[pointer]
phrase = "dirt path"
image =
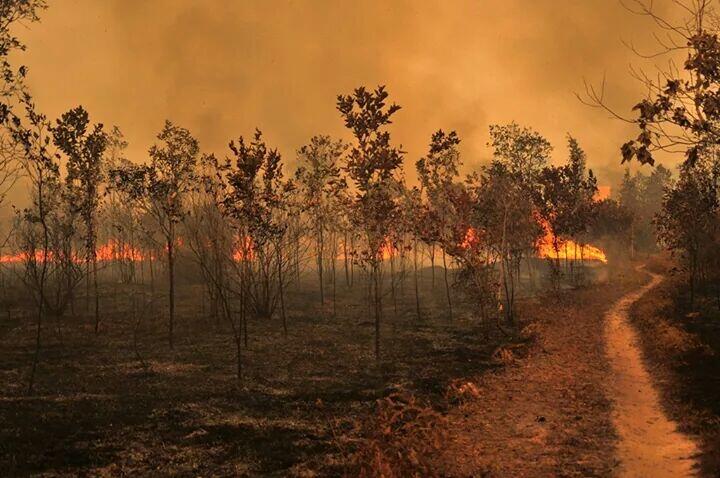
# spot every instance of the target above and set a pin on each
(546, 414)
(649, 443)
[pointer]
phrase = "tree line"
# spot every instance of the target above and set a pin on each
(251, 225)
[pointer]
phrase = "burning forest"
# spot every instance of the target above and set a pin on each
(387, 240)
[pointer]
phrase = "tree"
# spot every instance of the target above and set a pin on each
(688, 221)
(13, 92)
(47, 228)
(84, 147)
(564, 201)
(469, 246)
(582, 186)
(504, 213)
(681, 111)
(211, 239)
(523, 151)
(119, 214)
(630, 197)
(610, 220)
(438, 172)
(372, 165)
(160, 190)
(322, 189)
(255, 198)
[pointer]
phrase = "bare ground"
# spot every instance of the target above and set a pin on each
(97, 411)
(549, 413)
(650, 443)
(681, 346)
(541, 406)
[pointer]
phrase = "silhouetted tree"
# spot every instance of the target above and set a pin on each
(372, 165)
(438, 172)
(322, 189)
(160, 189)
(84, 146)
(688, 223)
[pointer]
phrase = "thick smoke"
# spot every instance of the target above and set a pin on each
(222, 68)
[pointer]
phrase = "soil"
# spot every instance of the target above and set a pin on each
(681, 347)
(649, 442)
(570, 396)
(103, 407)
(548, 414)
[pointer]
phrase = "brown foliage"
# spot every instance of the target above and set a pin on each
(399, 440)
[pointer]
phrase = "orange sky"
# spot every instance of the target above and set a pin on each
(221, 67)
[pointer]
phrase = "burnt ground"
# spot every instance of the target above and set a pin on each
(100, 409)
(102, 406)
(548, 413)
(681, 345)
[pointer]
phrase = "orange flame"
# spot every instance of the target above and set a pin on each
(13, 258)
(567, 248)
(603, 192)
(387, 250)
(112, 250)
(471, 239)
(244, 249)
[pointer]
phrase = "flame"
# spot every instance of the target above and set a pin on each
(244, 249)
(39, 257)
(113, 250)
(109, 251)
(471, 239)
(567, 248)
(12, 258)
(603, 192)
(387, 250)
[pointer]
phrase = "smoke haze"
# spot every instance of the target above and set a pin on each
(222, 68)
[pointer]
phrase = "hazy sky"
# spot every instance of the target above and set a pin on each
(223, 67)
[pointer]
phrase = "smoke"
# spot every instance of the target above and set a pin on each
(222, 68)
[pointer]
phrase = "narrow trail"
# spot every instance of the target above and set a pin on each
(650, 444)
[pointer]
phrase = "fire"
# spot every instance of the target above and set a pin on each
(567, 249)
(112, 250)
(471, 239)
(603, 192)
(109, 251)
(570, 250)
(387, 250)
(12, 258)
(244, 249)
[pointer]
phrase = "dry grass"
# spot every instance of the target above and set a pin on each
(541, 412)
(400, 440)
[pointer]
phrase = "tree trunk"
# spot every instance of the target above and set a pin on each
(333, 272)
(320, 247)
(238, 357)
(378, 307)
(281, 290)
(152, 282)
(392, 282)
(36, 355)
(345, 255)
(432, 265)
(447, 284)
(417, 285)
(97, 294)
(171, 278)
